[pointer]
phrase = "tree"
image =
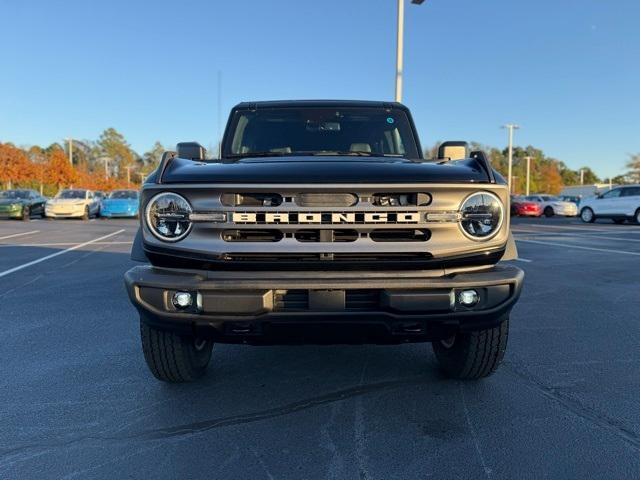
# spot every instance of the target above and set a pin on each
(634, 168)
(589, 177)
(113, 145)
(551, 181)
(38, 158)
(15, 167)
(152, 157)
(620, 180)
(59, 171)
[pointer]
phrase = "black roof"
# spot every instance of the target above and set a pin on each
(320, 103)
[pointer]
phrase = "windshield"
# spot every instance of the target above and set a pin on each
(14, 194)
(364, 131)
(72, 194)
(123, 195)
(549, 198)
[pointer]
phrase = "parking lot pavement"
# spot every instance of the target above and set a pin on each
(78, 402)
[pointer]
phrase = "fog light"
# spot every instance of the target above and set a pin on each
(468, 298)
(182, 300)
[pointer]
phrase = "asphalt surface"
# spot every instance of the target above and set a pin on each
(78, 401)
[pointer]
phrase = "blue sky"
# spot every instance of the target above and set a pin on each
(567, 71)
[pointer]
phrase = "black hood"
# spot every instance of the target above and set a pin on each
(323, 169)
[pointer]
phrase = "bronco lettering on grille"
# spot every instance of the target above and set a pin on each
(325, 217)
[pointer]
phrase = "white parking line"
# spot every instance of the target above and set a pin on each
(60, 244)
(580, 247)
(19, 234)
(577, 235)
(80, 245)
(583, 228)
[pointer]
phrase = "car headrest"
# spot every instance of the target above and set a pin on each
(360, 147)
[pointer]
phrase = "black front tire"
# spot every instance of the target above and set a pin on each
(173, 358)
(473, 355)
(87, 214)
(587, 215)
(26, 214)
(548, 212)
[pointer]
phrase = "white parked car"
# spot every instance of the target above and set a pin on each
(551, 205)
(618, 204)
(73, 203)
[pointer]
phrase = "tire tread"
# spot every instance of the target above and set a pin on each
(168, 355)
(474, 355)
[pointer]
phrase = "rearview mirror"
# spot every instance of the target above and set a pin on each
(453, 150)
(191, 150)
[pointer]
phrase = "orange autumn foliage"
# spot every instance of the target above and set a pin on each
(14, 165)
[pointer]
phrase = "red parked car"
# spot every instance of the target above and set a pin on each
(525, 208)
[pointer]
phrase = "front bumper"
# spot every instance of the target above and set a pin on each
(69, 212)
(350, 306)
(110, 214)
(566, 211)
(11, 213)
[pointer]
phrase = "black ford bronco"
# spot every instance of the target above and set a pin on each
(323, 223)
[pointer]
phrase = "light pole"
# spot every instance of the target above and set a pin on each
(128, 169)
(582, 176)
(400, 46)
(70, 140)
(528, 172)
(511, 127)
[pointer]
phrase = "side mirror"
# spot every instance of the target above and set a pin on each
(453, 151)
(191, 150)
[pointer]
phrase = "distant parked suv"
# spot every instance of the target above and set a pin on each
(552, 205)
(618, 204)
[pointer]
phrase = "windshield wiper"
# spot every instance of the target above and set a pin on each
(356, 153)
(257, 154)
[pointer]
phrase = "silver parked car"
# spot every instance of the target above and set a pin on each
(619, 204)
(552, 205)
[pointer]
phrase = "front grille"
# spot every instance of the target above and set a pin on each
(325, 199)
(252, 235)
(325, 227)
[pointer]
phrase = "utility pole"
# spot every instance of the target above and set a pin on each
(510, 127)
(106, 167)
(400, 46)
(128, 168)
(582, 176)
(219, 114)
(528, 172)
(70, 140)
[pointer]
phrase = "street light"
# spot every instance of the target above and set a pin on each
(70, 140)
(511, 127)
(528, 172)
(400, 46)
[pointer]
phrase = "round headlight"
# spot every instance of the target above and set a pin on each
(482, 214)
(167, 216)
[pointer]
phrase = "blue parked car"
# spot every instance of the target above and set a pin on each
(120, 203)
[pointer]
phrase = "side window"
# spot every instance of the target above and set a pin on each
(612, 193)
(631, 192)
